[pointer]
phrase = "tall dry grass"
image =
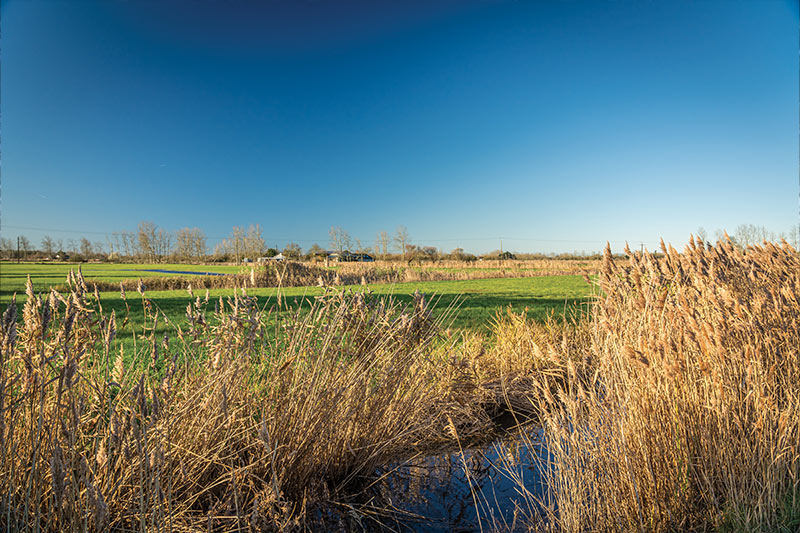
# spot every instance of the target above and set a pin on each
(691, 418)
(294, 274)
(239, 421)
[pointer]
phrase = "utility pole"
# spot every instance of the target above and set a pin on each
(18, 254)
(642, 247)
(501, 246)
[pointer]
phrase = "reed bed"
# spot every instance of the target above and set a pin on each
(689, 419)
(294, 274)
(235, 422)
(671, 403)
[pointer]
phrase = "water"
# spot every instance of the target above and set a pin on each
(190, 272)
(488, 487)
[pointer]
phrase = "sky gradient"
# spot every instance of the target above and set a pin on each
(556, 126)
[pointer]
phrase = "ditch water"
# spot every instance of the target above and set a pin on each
(160, 270)
(177, 272)
(486, 488)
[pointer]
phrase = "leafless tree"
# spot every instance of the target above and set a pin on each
(48, 244)
(190, 243)
(86, 248)
(794, 236)
(7, 247)
(24, 245)
(340, 239)
(125, 243)
(254, 245)
(749, 234)
(163, 243)
(382, 244)
(146, 240)
(241, 243)
(154, 242)
(402, 240)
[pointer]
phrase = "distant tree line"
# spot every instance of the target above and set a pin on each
(149, 243)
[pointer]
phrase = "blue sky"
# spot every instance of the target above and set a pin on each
(554, 125)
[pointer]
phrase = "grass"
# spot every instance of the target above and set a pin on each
(44, 275)
(478, 300)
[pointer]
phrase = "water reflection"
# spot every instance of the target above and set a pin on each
(487, 488)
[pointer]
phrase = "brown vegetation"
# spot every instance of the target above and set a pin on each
(673, 404)
(242, 420)
(293, 274)
(690, 417)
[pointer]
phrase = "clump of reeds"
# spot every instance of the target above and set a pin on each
(691, 420)
(295, 274)
(240, 419)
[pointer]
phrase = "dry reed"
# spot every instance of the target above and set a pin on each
(239, 420)
(691, 418)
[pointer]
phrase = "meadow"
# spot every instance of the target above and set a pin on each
(666, 396)
(13, 275)
(478, 301)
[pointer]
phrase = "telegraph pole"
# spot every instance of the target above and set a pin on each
(18, 255)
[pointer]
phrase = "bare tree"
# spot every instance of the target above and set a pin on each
(184, 245)
(162, 243)
(24, 245)
(254, 245)
(6, 247)
(86, 248)
(129, 243)
(48, 244)
(794, 236)
(382, 244)
(147, 240)
(154, 242)
(340, 239)
(402, 239)
(190, 243)
(241, 244)
(110, 242)
(237, 242)
(749, 234)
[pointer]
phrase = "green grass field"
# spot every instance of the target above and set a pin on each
(477, 302)
(44, 275)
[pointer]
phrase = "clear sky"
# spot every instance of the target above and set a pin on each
(554, 125)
